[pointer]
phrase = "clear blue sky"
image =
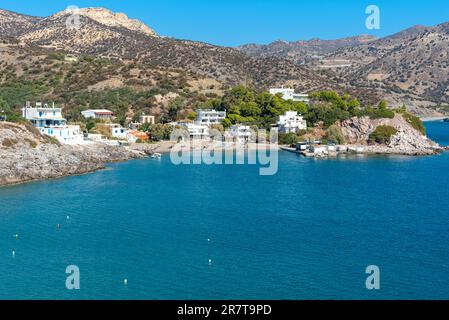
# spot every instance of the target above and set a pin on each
(235, 22)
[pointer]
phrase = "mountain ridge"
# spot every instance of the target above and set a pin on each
(302, 51)
(409, 67)
(115, 41)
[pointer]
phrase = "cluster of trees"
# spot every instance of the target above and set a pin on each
(8, 112)
(329, 107)
(157, 132)
(16, 91)
(245, 105)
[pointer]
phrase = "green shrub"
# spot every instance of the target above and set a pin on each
(335, 135)
(382, 134)
(414, 121)
(379, 112)
(157, 132)
(288, 138)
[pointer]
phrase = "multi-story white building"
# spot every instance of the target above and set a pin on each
(240, 132)
(49, 121)
(291, 122)
(196, 131)
(289, 94)
(209, 117)
(102, 114)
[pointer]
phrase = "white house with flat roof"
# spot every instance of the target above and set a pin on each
(291, 122)
(240, 132)
(119, 132)
(209, 117)
(289, 94)
(98, 114)
(196, 131)
(49, 121)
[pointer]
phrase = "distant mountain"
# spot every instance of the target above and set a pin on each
(303, 51)
(410, 67)
(13, 24)
(407, 32)
(413, 63)
(115, 36)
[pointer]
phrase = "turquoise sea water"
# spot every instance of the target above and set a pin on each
(308, 232)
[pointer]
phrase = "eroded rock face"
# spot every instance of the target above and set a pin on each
(25, 155)
(111, 19)
(407, 140)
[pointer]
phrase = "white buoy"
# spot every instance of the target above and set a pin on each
(16, 236)
(68, 217)
(125, 282)
(208, 240)
(210, 262)
(58, 226)
(13, 254)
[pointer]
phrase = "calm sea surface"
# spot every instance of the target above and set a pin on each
(308, 232)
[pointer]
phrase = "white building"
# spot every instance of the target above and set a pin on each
(49, 121)
(291, 122)
(147, 119)
(240, 132)
(119, 132)
(289, 94)
(209, 117)
(196, 131)
(98, 114)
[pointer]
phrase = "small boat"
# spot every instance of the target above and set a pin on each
(156, 156)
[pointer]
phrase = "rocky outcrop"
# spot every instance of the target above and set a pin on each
(26, 155)
(407, 140)
(111, 19)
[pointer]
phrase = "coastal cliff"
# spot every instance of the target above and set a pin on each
(406, 139)
(26, 155)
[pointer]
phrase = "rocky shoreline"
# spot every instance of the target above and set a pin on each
(26, 155)
(356, 133)
(406, 141)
